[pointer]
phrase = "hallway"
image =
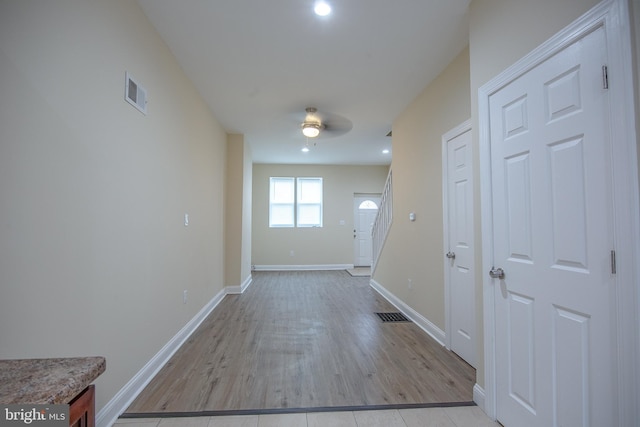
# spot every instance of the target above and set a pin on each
(305, 340)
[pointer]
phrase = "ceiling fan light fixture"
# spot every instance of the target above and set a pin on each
(310, 130)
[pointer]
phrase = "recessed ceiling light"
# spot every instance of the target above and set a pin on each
(385, 151)
(305, 149)
(322, 8)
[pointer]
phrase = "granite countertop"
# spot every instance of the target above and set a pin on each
(47, 381)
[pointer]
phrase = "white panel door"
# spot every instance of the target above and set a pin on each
(460, 255)
(552, 218)
(365, 211)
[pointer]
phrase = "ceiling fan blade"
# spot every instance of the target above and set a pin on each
(334, 125)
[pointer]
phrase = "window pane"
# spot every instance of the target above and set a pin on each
(281, 216)
(309, 190)
(309, 216)
(282, 190)
(368, 204)
(281, 202)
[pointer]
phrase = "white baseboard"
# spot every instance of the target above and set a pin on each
(302, 267)
(424, 323)
(478, 397)
(121, 401)
(240, 288)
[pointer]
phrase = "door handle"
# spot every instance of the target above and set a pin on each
(496, 273)
(451, 255)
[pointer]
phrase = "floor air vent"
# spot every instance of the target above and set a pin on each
(393, 317)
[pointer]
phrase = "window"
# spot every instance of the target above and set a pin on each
(281, 202)
(368, 204)
(309, 202)
(295, 201)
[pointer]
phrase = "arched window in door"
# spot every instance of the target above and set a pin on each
(368, 204)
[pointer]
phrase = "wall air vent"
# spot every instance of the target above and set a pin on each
(135, 94)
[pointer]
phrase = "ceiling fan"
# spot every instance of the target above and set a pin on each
(325, 125)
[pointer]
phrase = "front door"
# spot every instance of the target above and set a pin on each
(553, 239)
(365, 211)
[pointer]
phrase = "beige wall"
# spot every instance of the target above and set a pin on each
(94, 256)
(247, 214)
(238, 211)
(500, 33)
(329, 245)
(413, 250)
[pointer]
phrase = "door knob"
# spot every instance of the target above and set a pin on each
(451, 255)
(496, 273)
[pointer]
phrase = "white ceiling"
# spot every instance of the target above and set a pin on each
(259, 63)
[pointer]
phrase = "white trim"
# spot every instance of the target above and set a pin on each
(424, 323)
(453, 133)
(121, 401)
(311, 267)
(478, 396)
(239, 289)
(613, 16)
(627, 210)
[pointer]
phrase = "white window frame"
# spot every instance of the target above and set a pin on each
(296, 203)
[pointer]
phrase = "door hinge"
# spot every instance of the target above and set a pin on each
(605, 77)
(613, 262)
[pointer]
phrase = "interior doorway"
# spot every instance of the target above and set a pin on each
(457, 170)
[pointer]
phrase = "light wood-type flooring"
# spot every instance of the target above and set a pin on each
(306, 339)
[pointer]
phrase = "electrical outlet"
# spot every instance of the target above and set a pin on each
(410, 284)
(291, 253)
(184, 296)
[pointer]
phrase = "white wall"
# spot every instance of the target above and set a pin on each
(94, 256)
(331, 244)
(634, 6)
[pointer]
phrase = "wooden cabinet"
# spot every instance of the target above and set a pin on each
(82, 409)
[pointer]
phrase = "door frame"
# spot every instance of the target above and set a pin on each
(613, 16)
(448, 136)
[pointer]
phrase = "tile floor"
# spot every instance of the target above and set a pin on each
(467, 416)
